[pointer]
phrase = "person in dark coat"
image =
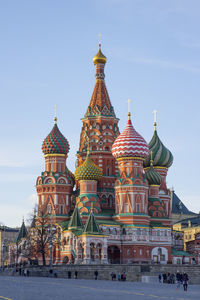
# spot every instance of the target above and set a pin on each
(185, 281)
(69, 274)
(76, 274)
(178, 278)
(96, 275)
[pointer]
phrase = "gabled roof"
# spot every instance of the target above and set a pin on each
(178, 207)
(75, 221)
(22, 232)
(91, 225)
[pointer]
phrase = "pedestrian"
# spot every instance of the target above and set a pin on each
(69, 274)
(178, 278)
(185, 281)
(96, 275)
(160, 278)
(76, 274)
(119, 277)
(55, 275)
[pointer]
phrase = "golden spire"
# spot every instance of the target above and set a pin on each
(155, 119)
(55, 114)
(92, 207)
(129, 109)
(151, 161)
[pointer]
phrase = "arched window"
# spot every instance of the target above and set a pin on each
(110, 201)
(137, 208)
(103, 199)
(92, 251)
(61, 209)
(107, 230)
(124, 231)
(49, 209)
(107, 149)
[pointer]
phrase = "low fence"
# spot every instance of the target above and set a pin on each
(133, 272)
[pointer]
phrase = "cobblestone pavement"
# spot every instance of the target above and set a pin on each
(40, 288)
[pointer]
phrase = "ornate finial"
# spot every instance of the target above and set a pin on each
(155, 118)
(129, 109)
(23, 219)
(151, 161)
(99, 40)
(92, 207)
(55, 114)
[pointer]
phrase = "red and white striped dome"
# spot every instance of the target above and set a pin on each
(130, 144)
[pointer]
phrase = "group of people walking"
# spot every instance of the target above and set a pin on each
(181, 279)
(120, 276)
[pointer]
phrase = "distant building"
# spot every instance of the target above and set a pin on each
(193, 247)
(190, 227)
(179, 210)
(7, 236)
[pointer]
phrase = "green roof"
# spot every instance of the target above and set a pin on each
(91, 226)
(75, 221)
(180, 253)
(22, 232)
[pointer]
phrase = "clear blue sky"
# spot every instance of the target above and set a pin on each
(153, 57)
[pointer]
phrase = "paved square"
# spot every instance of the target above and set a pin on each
(40, 288)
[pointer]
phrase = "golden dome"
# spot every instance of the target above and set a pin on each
(88, 170)
(99, 58)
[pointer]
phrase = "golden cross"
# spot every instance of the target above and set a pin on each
(129, 109)
(129, 105)
(155, 115)
(99, 39)
(155, 118)
(55, 114)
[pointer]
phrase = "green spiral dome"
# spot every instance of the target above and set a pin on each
(88, 170)
(162, 157)
(153, 177)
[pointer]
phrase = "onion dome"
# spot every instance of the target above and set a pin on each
(99, 58)
(153, 177)
(162, 157)
(55, 142)
(130, 143)
(88, 170)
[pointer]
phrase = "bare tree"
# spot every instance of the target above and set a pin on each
(41, 236)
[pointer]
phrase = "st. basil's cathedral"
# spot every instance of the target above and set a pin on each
(116, 208)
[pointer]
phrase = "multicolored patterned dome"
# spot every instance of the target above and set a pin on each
(162, 157)
(55, 142)
(153, 177)
(88, 170)
(130, 143)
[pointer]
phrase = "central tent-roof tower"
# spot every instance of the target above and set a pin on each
(100, 129)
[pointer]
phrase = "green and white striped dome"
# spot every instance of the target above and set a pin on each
(162, 157)
(153, 177)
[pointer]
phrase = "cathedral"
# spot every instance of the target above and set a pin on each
(116, 208)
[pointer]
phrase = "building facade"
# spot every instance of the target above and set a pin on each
(116, 208)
